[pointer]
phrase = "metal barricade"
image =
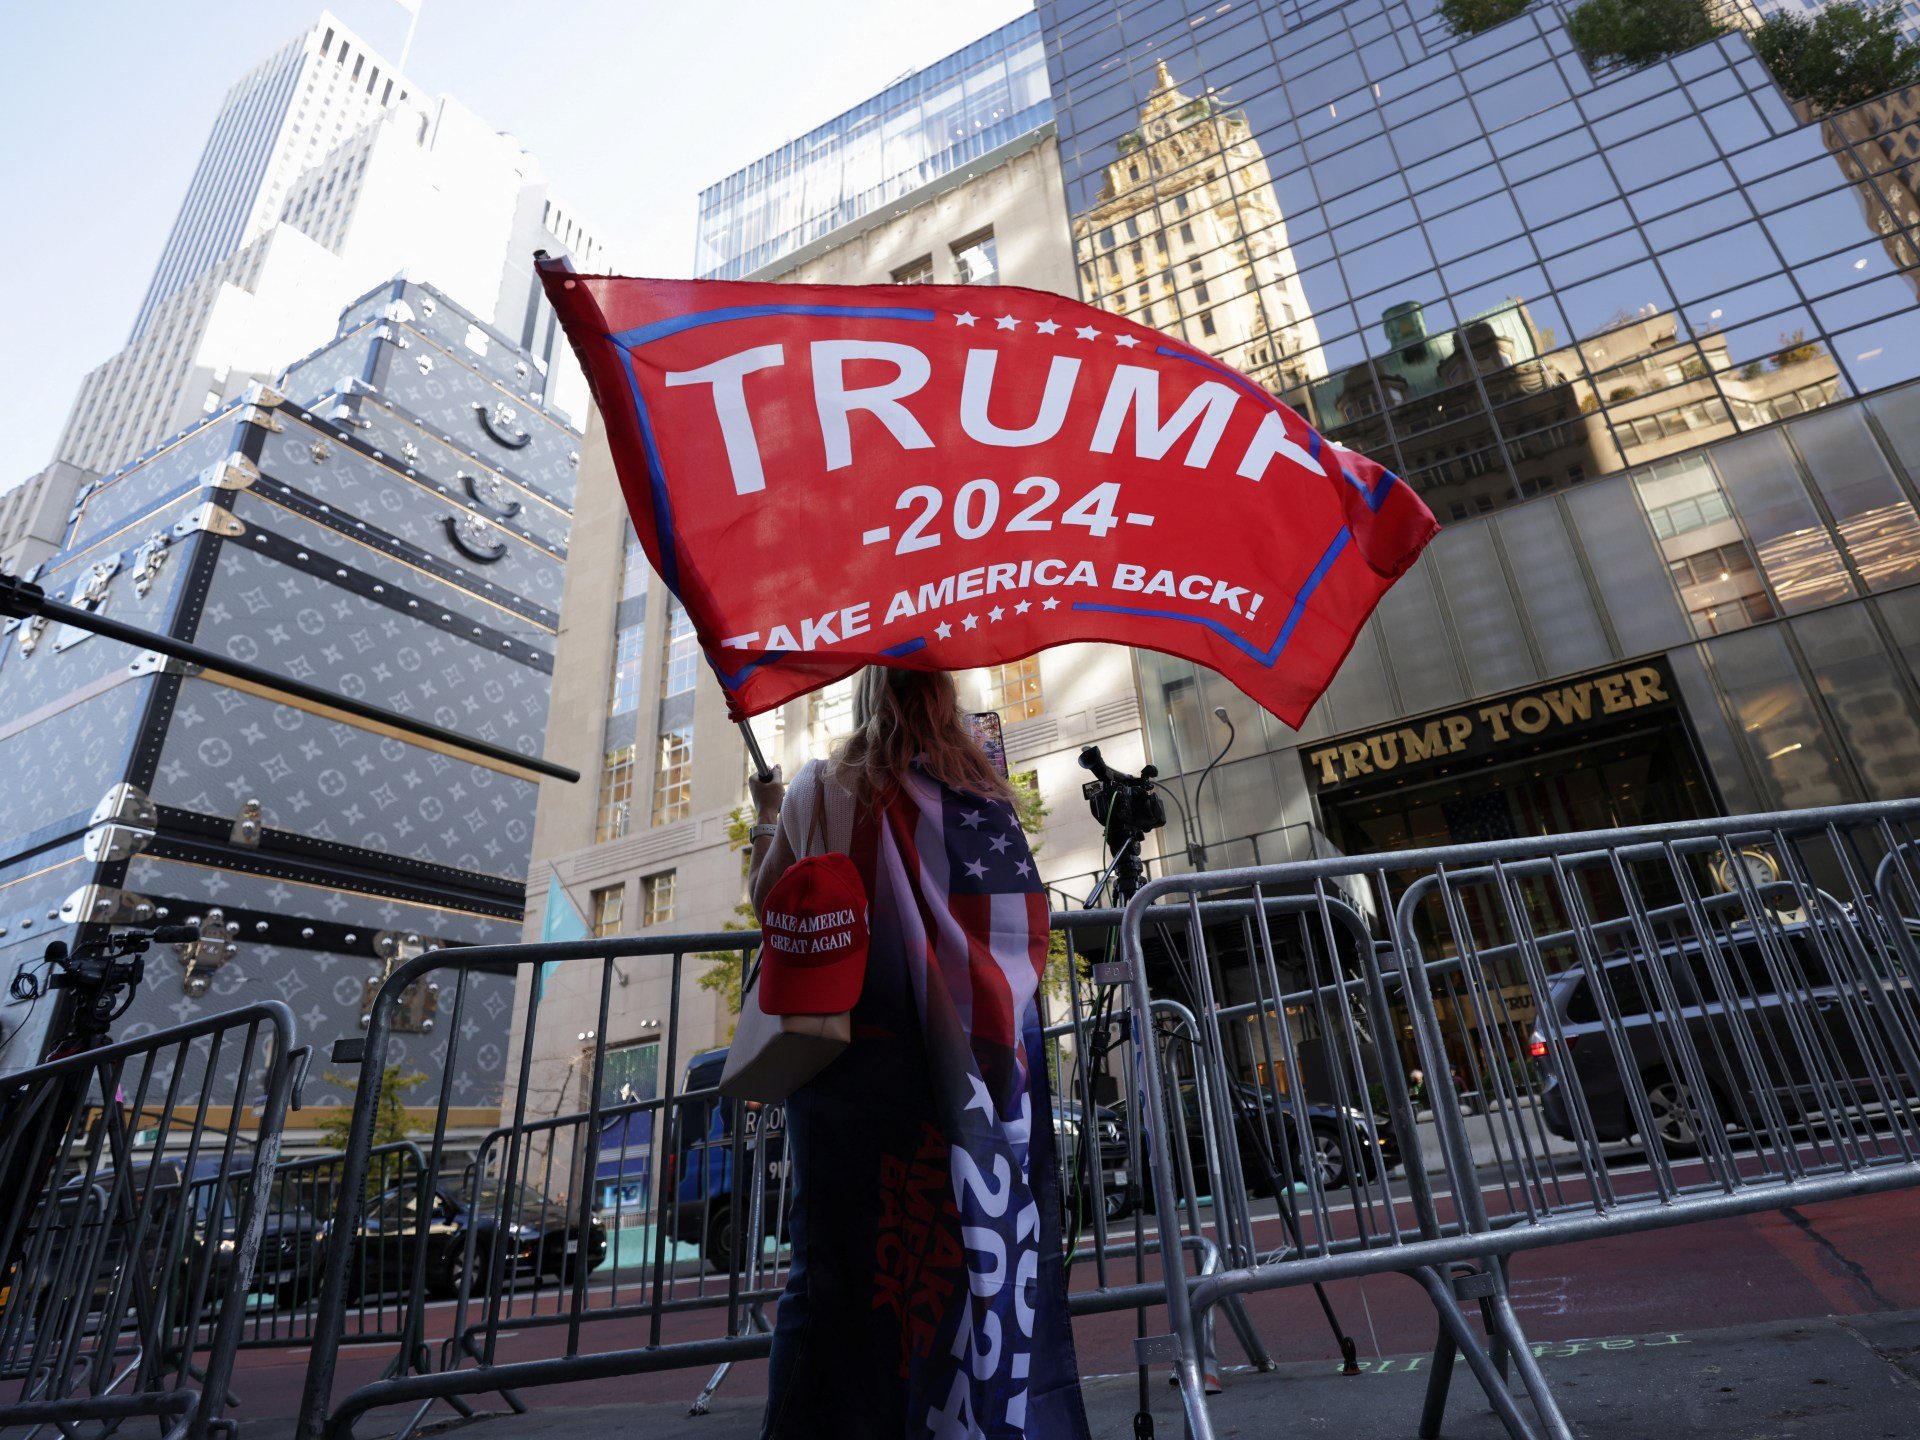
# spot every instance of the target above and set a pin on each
(1562, 1038)
(587, 1213)
(293, 1251)
(636, 1232)
(132, 1222)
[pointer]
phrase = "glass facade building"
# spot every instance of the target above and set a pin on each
(1643, 340)
(955, 113)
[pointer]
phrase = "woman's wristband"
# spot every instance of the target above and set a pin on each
(763, 832)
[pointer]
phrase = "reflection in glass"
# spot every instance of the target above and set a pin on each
(1778, 722)
(1875, 144)
(1187, 235)
(1865, 698)
(1706, 554)
(1876, 521)
(1797, 553)
(1422, 392)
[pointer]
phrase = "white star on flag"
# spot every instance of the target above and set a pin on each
(943, 630)
(1087, 332)
(982, 1099)
(1046, 327)
(1023, 869)
(999, 843)
(995, 613)
(970, 622)
(1006, 322)
(1050, 604)
(1023, 607)
(976, 869)
(965, 317)
(972, 819)
(1125, 342)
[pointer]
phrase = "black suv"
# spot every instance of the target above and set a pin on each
(285, 1266)
(1784, 1024)
(1342, 1143)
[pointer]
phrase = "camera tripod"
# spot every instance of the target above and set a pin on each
(1129, 808)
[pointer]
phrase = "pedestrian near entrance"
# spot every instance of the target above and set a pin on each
(927, 1292)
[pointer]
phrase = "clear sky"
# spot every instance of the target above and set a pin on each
(631, 106)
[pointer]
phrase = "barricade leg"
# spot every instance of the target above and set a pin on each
(1454, 1323)
(1439, 1380)
(1507, 1327)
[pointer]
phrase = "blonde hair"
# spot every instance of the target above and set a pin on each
(903, 715)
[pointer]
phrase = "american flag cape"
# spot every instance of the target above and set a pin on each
(957, 901)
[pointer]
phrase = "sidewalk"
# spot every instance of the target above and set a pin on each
(1851, 1378)
(1493, 1136)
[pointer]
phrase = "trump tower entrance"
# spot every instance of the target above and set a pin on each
(1591, 752)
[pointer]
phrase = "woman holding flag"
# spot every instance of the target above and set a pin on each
(927, 1294)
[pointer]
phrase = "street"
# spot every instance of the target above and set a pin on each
(1846, 1258)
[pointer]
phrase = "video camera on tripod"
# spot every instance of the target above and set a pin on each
(1123, 804)
(96, 974)
(1127, 807)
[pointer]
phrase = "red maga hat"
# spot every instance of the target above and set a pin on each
(813, 939)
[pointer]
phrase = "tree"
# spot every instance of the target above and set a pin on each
(1794, 349)
(1471, 17)
(389, 1122)
(726, 974)
(1639, 32)
(1846, 54)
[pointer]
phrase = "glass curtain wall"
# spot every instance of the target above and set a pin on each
(1493, 271)
(930, 124)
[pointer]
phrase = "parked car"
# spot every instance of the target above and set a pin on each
(1341, 1142)
(284, 1268)
(536, 1236)
(1710, 1020)
(701, 1211)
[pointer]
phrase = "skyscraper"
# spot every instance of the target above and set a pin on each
(278, 121)
(325, 174)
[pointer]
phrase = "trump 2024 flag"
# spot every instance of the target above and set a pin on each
(940, 477)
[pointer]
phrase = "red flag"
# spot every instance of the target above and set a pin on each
(939, 477)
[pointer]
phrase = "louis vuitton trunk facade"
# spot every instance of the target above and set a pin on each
(389, 522)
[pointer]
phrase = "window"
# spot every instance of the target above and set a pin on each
(1014, 689)
(633, 574)
(920, 272)
(673, 776)
(628, 1074)
(683, 652)
(1206, 324)
(616, 794)
(625, 694)
(975, 260)
(609, 909)
(656, 898)
(829, 716)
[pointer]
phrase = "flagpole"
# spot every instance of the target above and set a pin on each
(762, 771)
